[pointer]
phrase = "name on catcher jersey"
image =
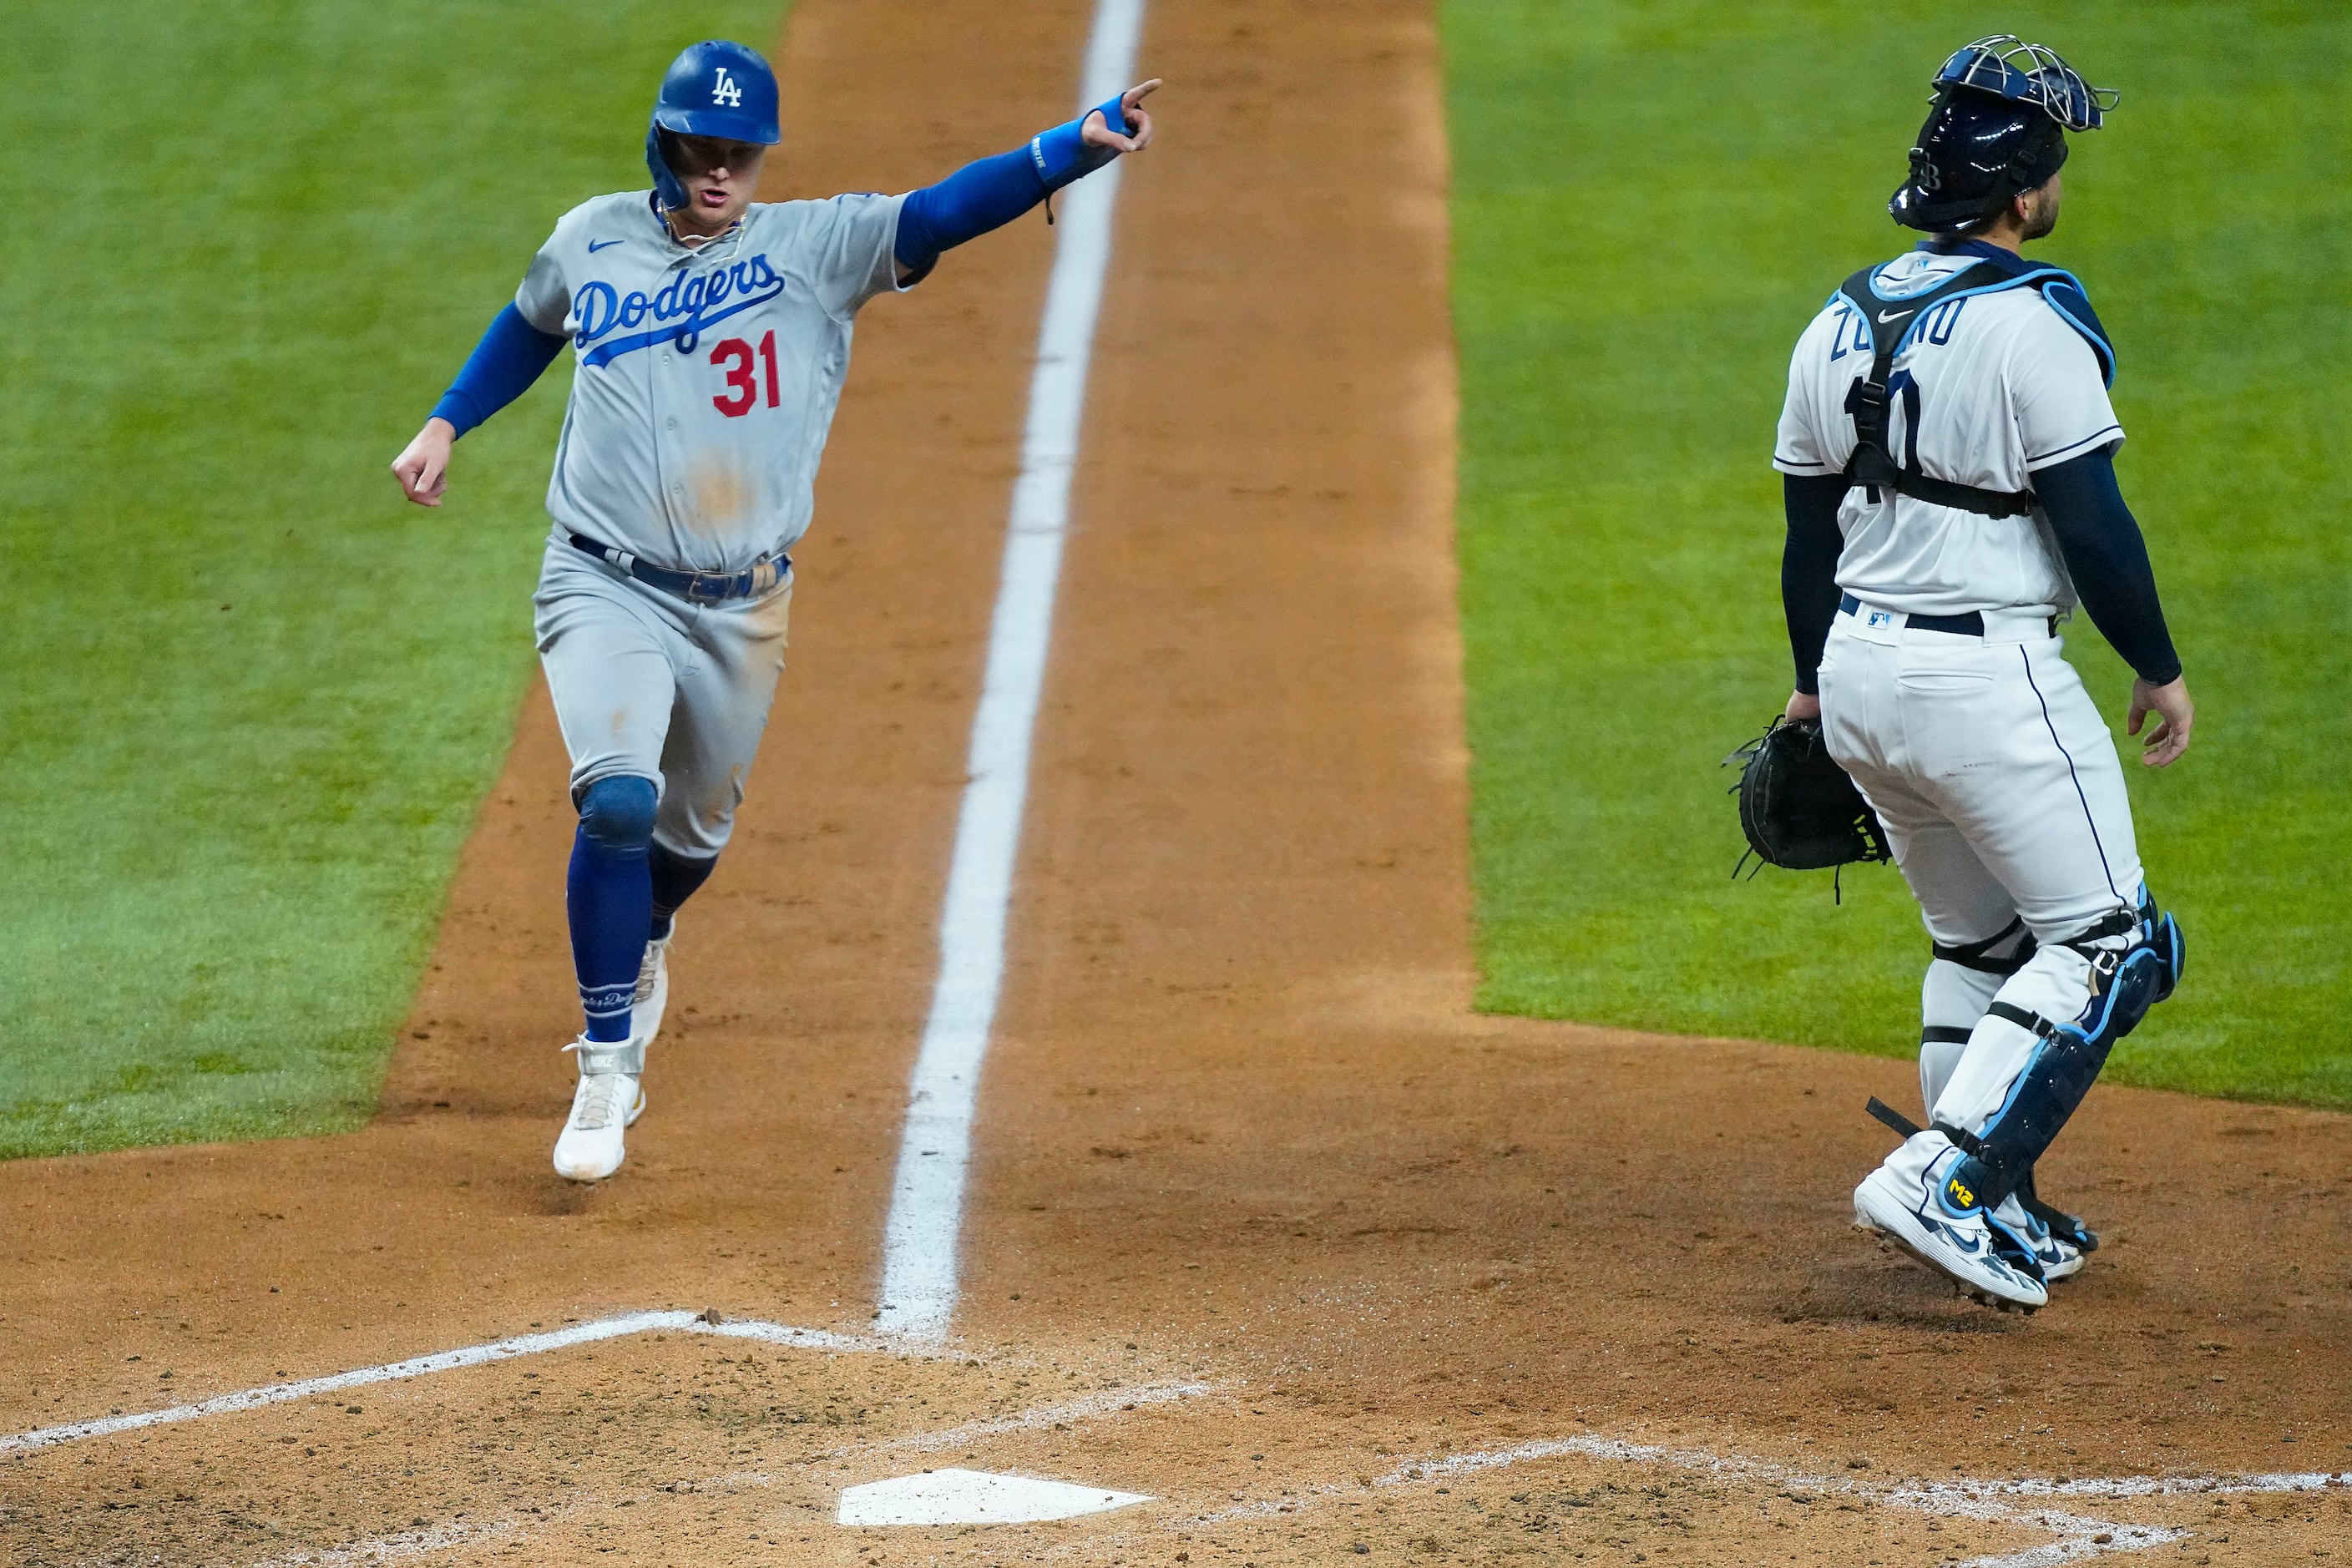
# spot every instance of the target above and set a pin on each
(704, 380)
(1991, 388)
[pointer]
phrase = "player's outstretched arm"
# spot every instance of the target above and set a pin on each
(511, 356)
(993, 192)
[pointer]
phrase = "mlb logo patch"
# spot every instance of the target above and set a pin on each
(1882, 617)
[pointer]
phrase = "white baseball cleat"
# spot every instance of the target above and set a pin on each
(2057, 1258)
(653, 990)
(1909, 1210)
(607, 1098)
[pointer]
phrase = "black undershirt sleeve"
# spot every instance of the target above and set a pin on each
(1808, 590)
(2104, 552)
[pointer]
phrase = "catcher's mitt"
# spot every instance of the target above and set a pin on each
(1797, 805)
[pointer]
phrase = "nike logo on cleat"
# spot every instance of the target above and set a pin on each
(1963, 1242)
(596, 245)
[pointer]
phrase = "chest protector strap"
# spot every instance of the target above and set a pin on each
(1889, 322)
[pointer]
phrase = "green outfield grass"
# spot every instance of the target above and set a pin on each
(1650, 200)
(251, 698)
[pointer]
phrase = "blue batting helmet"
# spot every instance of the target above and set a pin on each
(713, 89)
(1998, 128)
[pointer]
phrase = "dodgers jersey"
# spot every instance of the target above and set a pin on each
(2003, 386)
(705, 380)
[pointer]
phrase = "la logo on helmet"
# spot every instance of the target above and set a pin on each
(725, 90)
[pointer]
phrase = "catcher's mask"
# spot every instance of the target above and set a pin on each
(1997, 128)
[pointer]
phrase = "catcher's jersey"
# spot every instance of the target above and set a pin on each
(1998, 385)
(705, 380)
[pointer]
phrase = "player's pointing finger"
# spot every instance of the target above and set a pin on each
(1130, 103)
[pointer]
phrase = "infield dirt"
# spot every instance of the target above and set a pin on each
(1265, 1221)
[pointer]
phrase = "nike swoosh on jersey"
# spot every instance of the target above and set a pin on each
(596, 245)
(1884, 316)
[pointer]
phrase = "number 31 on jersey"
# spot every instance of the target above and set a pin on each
(744, 389)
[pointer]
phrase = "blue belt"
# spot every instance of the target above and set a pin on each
(1969, 625)
(702, 587)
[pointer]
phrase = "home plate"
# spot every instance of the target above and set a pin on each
(973, 1497)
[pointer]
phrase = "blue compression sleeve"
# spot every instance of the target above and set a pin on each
(1062, 156)
(511, 356)
(2106, 556)
(976, 198)
(1808, 590)
(993, 192)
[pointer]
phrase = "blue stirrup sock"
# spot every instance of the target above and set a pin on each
(675, 879)
(608, 895)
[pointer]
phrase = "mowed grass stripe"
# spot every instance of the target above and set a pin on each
(253, 698)
(1650, 200)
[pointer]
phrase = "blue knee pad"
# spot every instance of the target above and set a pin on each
(2161, 931)
(616, 814)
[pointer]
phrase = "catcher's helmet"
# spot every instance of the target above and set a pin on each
(713, 89)
(2001, 110)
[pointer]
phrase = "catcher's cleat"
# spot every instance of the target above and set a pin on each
(1967, 1245)
(2054, 1257)
(2039, 1220)
(652, 998)
(2067, 1227)
(607, 1098)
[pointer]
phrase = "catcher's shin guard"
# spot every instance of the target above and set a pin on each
(2057, 1074)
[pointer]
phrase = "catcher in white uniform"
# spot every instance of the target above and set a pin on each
(711, 335)
(1947, 449)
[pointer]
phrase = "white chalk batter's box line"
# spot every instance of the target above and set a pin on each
(453, 1360)
(2012, 1502)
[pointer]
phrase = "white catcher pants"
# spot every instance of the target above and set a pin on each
(2003, 797)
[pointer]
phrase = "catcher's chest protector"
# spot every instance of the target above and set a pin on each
(1891, 325)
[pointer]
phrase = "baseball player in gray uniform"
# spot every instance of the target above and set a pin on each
(710, 337)
(1947, 446)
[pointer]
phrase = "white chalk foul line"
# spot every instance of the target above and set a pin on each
(2078, 1536)
(445, 1360)
(920, 1238)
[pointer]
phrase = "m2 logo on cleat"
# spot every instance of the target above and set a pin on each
(1960, 1193)
(725, 92)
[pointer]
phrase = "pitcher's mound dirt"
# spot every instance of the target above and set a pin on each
(1266, 1225)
